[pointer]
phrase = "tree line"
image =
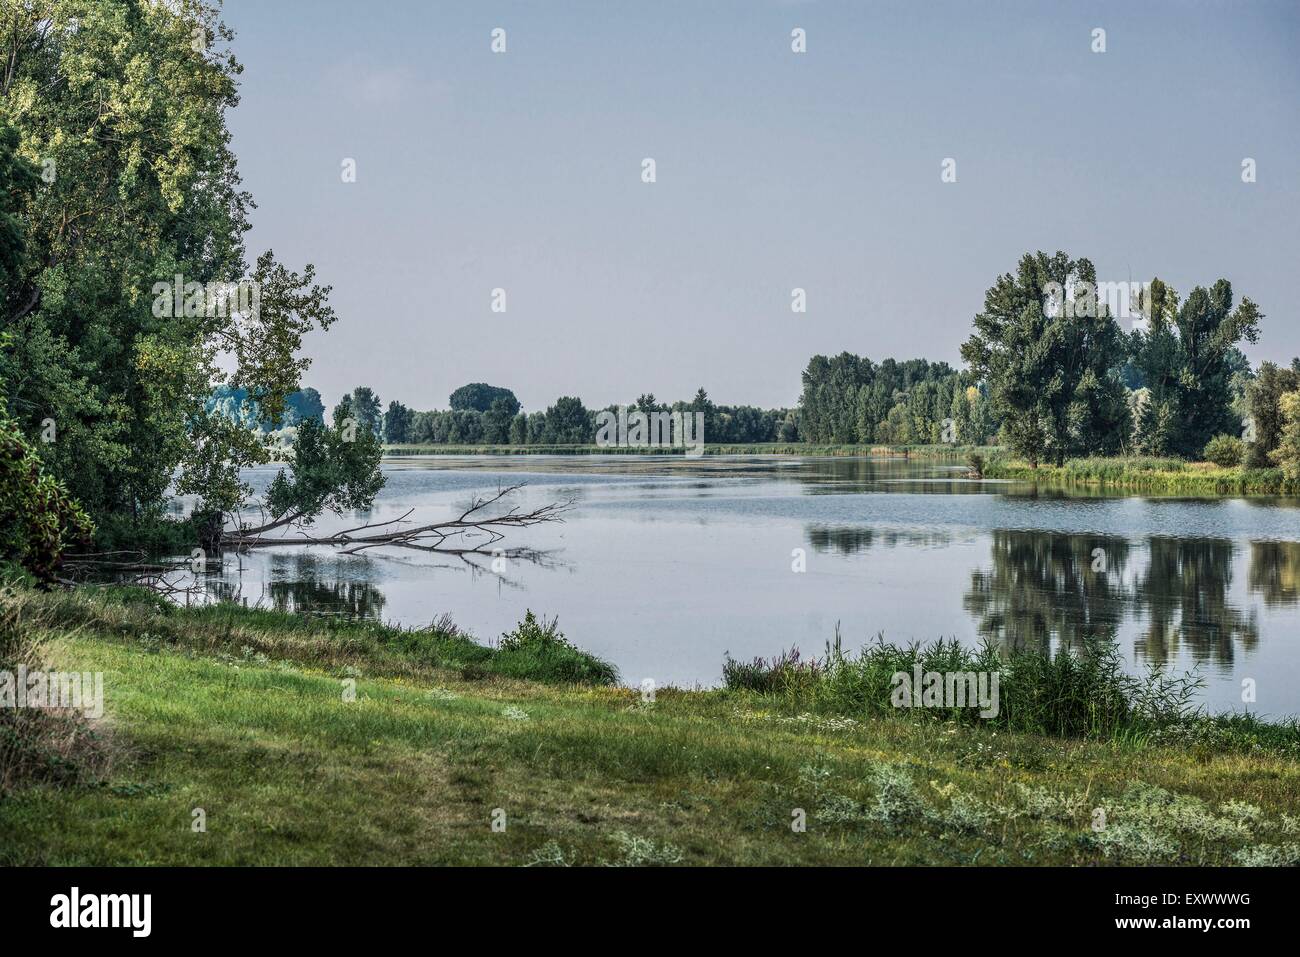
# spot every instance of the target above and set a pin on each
(1052, 375)
(850, 399)
(482, 414)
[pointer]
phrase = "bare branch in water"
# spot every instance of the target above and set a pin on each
(452, 537)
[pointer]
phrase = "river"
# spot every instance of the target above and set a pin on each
(663, 565)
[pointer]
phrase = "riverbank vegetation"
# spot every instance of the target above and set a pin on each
(245, 715)
(1148, 474)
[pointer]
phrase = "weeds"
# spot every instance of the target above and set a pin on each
(1065, 694)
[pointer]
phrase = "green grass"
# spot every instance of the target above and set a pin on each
(1148, 474)
(1066, 694)
(243, 714)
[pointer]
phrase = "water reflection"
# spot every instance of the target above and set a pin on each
(1047, 586)
(849, 539)
(1185, 595)
(1044, 587)
(309, 584)
(1275, 572)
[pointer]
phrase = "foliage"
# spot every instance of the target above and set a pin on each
(1225, 450)
(1264, 405)
(331, 469)
(397, 423)
(38, 518)
(850, 399)
(123, 103)
(1287, 453)
(479, 397)
(1051, 362)
(1187, 357)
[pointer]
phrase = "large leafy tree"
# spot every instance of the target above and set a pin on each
(121, 105)
(569, 422)
(1050, 354)
(1264, 398)
(366, 408)
(1187, 357)
(479, 396)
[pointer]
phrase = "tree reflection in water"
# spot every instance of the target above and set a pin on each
(1275, 572)
(1045, 587)
(1185, 596)
(310, 584)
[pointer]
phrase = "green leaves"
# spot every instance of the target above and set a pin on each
(125, 102)
(333, 469)
(1051, 364)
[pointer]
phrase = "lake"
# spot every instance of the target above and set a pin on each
(666, 564)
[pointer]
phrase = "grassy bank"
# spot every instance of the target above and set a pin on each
(1145, 474)
(244, 715)
(755, 448)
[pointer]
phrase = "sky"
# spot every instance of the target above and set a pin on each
(774, 170)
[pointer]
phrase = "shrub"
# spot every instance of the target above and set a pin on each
(1066, 694)
(537, 650)
(1225, 450)
(38, 518)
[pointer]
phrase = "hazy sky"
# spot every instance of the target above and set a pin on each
(775, 170)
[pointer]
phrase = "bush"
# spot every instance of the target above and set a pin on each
(1068, 694)
(538, 651)
(38, 518)
(1225, 450)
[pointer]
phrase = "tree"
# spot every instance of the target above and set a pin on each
(303, 405)
(332, 469)
(569, 423)
(126, 113)
(397, 423)
(497, 420)
(365, 407)
(1187, 357)
(1050, 354)
(479, 396)
(519, 430)
(1287, 453)
(1264, 404)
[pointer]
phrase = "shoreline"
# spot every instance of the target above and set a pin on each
(246, 714)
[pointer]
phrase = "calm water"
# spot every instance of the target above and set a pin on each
(665, 564)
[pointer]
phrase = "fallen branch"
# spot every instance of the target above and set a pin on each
(451, 537)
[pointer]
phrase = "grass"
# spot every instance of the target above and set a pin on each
(246, 716)
(1068, 694)
(1149, 474)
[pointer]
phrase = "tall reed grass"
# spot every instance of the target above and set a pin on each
(1066, 694)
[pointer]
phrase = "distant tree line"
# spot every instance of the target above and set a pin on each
(1051, 375)
(850, 399)
(481, 414)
